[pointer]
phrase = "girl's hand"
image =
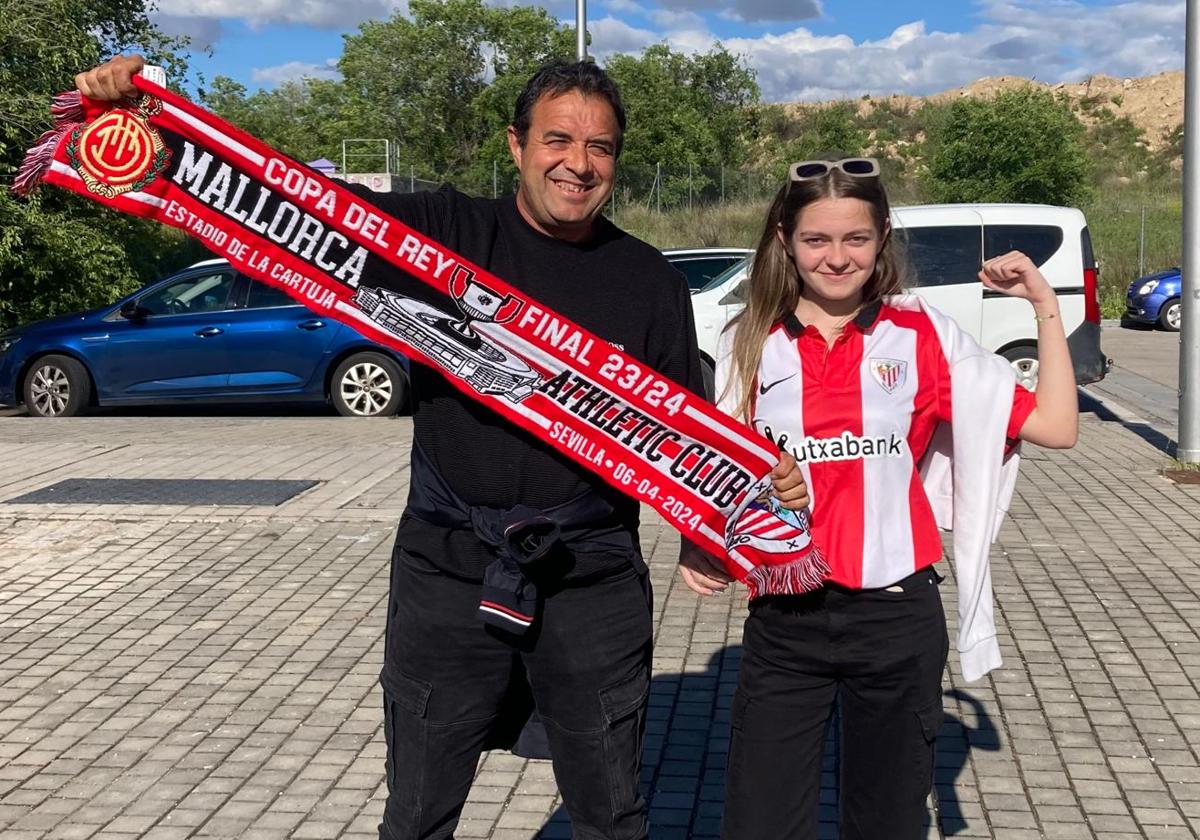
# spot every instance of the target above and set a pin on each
(788, 483)
(1014, 274)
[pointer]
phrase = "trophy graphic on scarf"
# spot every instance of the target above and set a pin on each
(476, 302)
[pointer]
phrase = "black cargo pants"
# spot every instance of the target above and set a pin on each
(448, 680)
(880, 653)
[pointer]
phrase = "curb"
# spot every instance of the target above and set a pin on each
(1119, 411)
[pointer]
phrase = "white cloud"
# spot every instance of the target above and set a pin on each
(1051, 40)
(294, 71)
(323, 14)
(611, 36)
(669, 19)
(203, 32)
(751, 10)
(631, 7)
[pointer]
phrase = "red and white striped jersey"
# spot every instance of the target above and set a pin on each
(858, 416)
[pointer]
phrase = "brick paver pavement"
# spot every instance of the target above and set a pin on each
(171, 672)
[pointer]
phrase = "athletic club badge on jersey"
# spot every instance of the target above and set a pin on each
(120, 152)
(889, 373)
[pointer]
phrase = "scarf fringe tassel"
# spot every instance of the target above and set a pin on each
(795, 578)
(67, 111)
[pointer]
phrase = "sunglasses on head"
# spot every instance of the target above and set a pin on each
(854, 167)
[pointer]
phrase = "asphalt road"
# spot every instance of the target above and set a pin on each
(1150, 353)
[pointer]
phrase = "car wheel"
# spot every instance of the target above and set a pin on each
(1170, 317)
(1024, 361)
(710, 380)
(368, 385)
(56, 386)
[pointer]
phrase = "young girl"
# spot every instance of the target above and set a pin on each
(832, 363)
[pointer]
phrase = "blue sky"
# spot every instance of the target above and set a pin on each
(801, 49)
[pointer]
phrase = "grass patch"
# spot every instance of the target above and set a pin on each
(1114, 219)
(731, 225)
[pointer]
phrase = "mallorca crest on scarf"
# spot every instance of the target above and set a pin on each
(889, 373)
(120, 151)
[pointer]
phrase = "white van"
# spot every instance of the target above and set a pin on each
(946, 245)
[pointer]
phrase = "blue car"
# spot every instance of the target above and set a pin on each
(1154, 299)
(208, 334)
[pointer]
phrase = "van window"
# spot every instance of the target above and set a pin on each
(1089, 257)
(943, 256)
(1038, 242)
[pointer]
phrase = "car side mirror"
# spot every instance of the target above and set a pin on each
(131, 311)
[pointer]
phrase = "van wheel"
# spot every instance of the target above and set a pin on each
(368, 384)
(1024, 361)
(1170, 317)
(56, 386)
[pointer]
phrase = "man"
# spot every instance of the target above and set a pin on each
(453, 685)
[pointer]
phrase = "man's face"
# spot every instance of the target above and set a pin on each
(567, 163)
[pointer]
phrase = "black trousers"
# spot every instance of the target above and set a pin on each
(449, 684)
(880, 653)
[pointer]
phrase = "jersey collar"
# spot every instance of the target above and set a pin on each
(864, 320)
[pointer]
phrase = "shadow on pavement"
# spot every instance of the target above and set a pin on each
(1160, 441)
(683, 760)
(687, 737)
(954, 745)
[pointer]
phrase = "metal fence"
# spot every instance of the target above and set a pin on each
(653, 187)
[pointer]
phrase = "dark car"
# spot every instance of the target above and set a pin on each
(701, 265)
(205, 334)
(1155, 299)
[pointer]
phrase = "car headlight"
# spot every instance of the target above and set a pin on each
(7, 341)
(1148, 287)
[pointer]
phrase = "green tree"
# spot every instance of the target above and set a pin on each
(60, 252)
(685, 109)
(1118, 149)
(442, 83)
(1172, 149)
(815, 132)
(685, 112)
(1024, 145)
(305, 118)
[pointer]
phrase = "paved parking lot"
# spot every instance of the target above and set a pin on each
(188, 670)
(1144, 380)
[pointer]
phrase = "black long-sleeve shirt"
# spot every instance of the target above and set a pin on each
(614, 285)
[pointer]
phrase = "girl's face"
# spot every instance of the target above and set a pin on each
(834, 246)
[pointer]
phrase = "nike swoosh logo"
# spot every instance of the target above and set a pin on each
(762, 389)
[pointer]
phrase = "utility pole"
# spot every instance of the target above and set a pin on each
(581, 29)
(1189, 337)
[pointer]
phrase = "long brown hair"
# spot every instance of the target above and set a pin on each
(773, 289)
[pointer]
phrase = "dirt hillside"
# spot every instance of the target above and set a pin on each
(1152, 103)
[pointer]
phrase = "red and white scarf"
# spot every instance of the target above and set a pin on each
(280, 222)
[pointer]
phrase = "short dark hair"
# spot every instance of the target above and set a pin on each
(561, 76)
